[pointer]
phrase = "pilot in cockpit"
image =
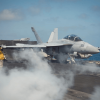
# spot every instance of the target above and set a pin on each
(73, 38)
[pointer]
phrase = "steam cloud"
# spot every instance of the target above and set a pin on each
(87, 68)
(96, 94)
(37, 82)
(90, 68)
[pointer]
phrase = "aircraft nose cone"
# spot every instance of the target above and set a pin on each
(92, 50)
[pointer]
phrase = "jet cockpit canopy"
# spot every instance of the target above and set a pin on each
(73, 37)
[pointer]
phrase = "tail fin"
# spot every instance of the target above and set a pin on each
(51, 37)
(54, 35)
(36, 35)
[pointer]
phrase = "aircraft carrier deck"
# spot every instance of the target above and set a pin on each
(83, 83)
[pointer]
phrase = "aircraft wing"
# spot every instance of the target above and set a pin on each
(24, 46)
(36, 46)
(57, 44)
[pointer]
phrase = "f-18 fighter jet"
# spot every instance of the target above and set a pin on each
(71, 46)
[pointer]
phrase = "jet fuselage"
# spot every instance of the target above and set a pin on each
(77, 46)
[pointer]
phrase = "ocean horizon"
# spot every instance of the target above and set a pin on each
(94, 57)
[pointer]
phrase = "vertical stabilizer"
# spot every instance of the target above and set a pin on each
(54, 35)
(51, 37)
(36, 35)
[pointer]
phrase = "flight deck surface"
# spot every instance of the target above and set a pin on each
(84, 83)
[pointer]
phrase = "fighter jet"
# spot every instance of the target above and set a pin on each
(70, 46)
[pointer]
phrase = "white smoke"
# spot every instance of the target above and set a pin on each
(37, 82)
(62, 57)
(92, 68)
(96, 94)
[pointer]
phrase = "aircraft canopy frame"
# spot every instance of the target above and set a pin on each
(73, 38)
